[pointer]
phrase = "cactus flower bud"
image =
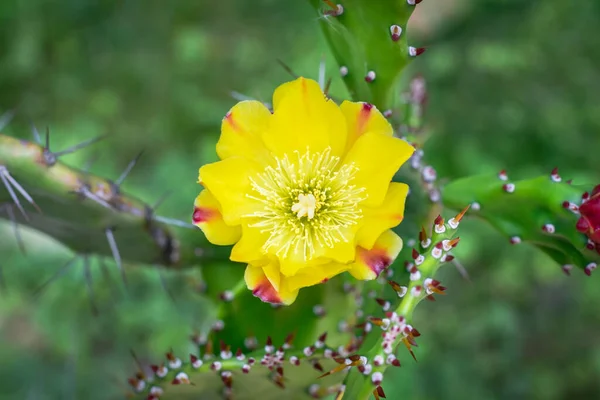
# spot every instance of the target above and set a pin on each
(589, 222)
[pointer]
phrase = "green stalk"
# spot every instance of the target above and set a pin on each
(369, 41)
(90, 214)
(380, 351)
(541, 211)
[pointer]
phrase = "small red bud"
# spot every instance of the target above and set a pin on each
(589, 223)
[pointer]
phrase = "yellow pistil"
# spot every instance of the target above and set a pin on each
(309, 202)
(306, 205)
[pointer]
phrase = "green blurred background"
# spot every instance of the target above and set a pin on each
(512, 84)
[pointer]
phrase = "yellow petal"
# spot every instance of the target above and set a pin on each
(304, 118)
(389, 214)
(271, 271)
(261, 287)
(241, 131)
(207, 216)
(314, 275)
(343, 251)
(377, 157)
(362, 118)
(370, 263)
(249, 249)
(291, 266)
(229, 182)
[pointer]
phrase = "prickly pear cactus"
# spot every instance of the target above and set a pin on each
(352, 365)
(87, 213)
(341, 335)
(557, 216)
(369, 42)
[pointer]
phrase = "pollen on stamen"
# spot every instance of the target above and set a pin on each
(309, 202)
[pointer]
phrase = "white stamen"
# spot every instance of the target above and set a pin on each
(309, 203)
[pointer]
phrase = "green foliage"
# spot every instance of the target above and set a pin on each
(244, 376)
(541, 211)
(369, 43)
(384, 334)
(86, 213)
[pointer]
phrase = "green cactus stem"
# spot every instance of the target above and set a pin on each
(388, 326)
(90, 214)
(271, 372)
(369, 41)
(542, 211)
(422, 177)
(250, 370)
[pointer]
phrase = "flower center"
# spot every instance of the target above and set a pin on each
(306, 205)
(309, 203)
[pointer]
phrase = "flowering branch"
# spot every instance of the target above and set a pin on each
(379, 349)
(109, 223)
(556, 216)
(168, 378)
(371, 50)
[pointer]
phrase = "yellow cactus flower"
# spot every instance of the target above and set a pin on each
(304, 193)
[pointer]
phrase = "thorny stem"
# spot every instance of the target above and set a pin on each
(411, 128)
(369, 43)
(545, 211)
(177, 372)
(226, 297)
(237, 364)
(110, 222)
(407, 305)
(432, 252)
